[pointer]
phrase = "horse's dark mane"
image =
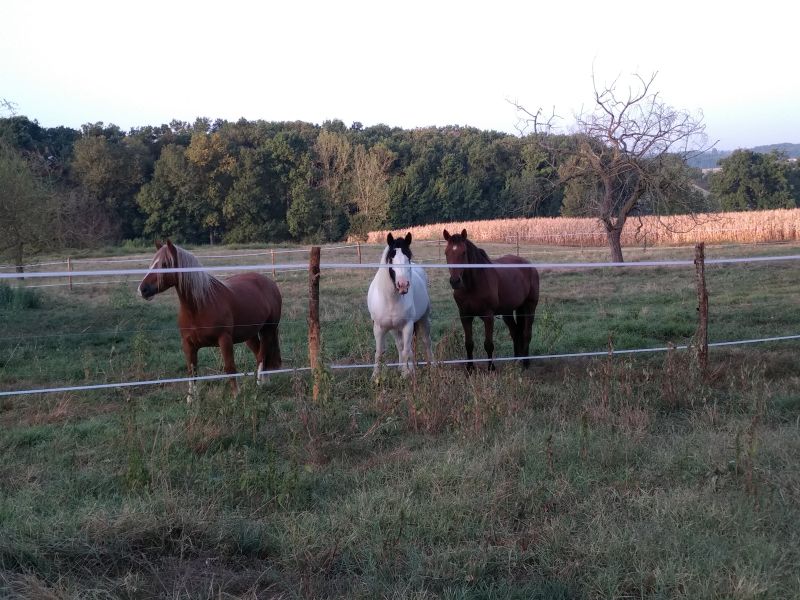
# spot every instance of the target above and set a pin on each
(475, 255)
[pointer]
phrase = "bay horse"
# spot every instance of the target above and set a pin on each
(398, 301)
(243, 308)
(512, 293)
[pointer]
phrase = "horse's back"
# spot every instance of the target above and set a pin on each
(255, 296)
(520, 285)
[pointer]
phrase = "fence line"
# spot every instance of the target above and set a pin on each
(346, 266)
(105, 260)
(127, 384)
(509, 240)
(116, 281)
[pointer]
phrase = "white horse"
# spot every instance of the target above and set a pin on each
(398, 302)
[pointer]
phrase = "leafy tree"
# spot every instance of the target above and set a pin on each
(214, 165)
(27, 211)
(169, 199)
(749, 181)
(111, 168)
(370, 189)
(333, 154)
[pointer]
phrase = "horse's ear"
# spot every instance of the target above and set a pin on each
(158, 244)
(389, 239)
(446, 235)
(408, 238)
(464, 233)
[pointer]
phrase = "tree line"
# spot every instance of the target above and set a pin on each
(272, 182)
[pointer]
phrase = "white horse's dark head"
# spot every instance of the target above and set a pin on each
(399, 255)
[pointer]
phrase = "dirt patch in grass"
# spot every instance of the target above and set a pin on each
(26, 411)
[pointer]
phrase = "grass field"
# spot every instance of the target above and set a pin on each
(616, 477)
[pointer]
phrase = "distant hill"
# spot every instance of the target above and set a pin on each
(711, 159)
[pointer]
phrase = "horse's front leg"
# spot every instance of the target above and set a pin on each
(407, 352)
(379, 333)
(469, 345)
(190, 353)
(226, 349)
(488, 340)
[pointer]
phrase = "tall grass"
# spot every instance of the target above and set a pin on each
(730, 227)
(18, 298)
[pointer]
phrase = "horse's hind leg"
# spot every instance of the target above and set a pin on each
(488, 340)
(270, 352)
(525, 316)
(254, 343)
(514, 330)
(423, 327)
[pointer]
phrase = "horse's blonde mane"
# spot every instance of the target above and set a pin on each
(195, 285)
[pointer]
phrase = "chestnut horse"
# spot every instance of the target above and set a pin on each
(489, 292)
(243, 308)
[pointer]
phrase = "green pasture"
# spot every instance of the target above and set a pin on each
(629, 476)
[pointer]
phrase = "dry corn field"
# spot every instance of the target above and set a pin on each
(743, 227)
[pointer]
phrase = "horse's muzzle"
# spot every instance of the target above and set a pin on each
(147, 291)
(402, 289)
(455, 283)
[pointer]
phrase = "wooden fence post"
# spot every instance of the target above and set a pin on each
(313, 320)
(439, 248)
(702, 308)
(518, 243)
(69, 268)
(358, 249)
(272, 253)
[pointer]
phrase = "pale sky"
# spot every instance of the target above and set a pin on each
(406, 64)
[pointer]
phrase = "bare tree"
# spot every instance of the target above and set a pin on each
(629, 156)
(8, 107)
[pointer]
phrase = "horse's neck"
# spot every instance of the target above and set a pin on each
(190, 299)
(476, 277)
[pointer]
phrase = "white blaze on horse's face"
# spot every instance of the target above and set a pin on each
(145, 288)
(402, 271)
